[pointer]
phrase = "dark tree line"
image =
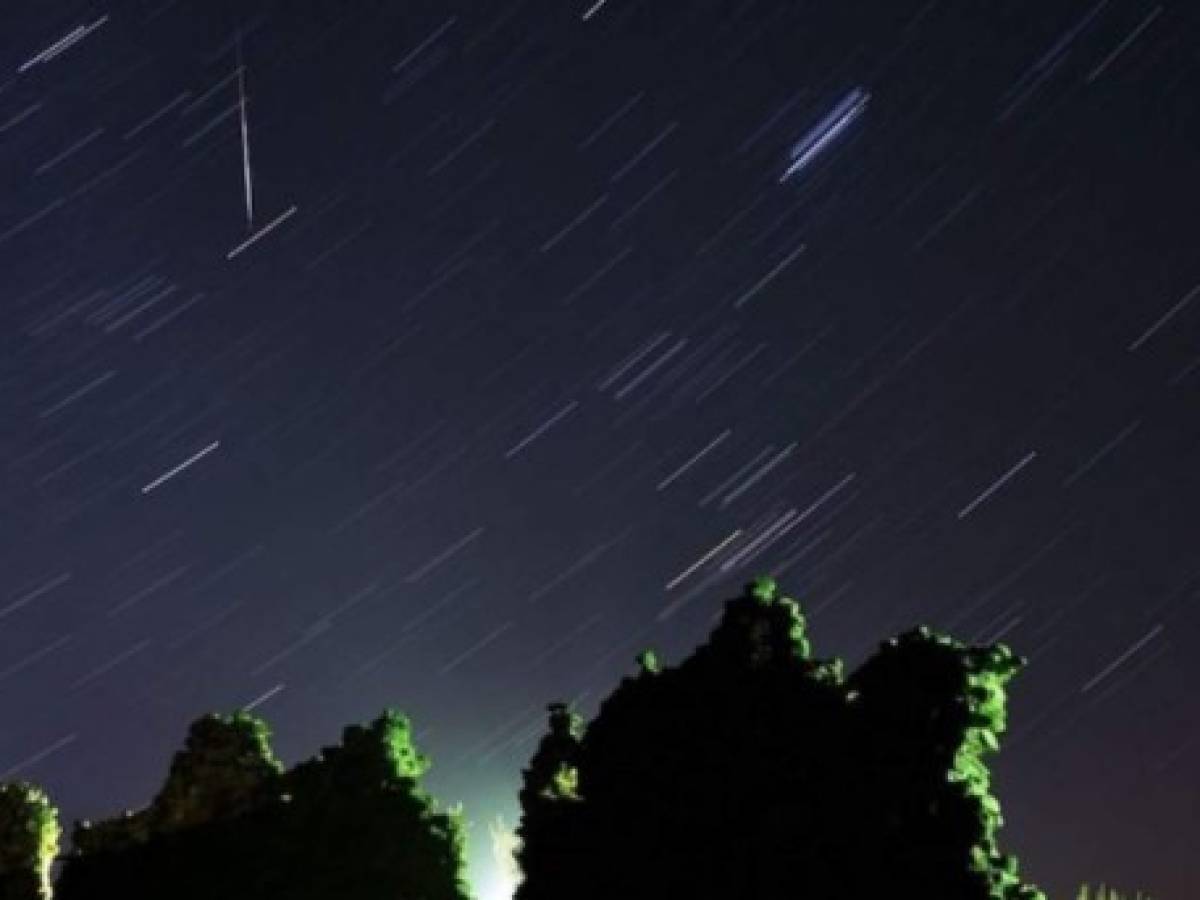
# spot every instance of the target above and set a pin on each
(229, 822)
(750, 770)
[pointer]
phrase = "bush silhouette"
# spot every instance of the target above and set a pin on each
(229, 823)
(751, 770)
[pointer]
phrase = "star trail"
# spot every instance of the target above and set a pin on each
(444, 356)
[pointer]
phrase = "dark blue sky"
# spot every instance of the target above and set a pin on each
(536, 356)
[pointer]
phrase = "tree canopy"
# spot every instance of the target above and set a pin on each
(753, 770)
(230, 822)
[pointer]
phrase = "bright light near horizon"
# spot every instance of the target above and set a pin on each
(495, 887)
(502, 878)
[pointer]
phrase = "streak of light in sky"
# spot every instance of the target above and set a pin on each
(826, 131)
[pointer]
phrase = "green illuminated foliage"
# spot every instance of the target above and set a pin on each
(648, 662)
(29, 834)
(565, 784)
(763, 589)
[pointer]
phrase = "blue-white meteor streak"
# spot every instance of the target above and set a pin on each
(826, 131)
(247, 175)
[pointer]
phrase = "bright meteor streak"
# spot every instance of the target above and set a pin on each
(826, 131)
(246, 174)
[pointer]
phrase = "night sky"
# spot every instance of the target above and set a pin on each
(516, 337)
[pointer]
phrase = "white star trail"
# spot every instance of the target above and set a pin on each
(541, 429)
(166, 476)
(73, 37)
(729, 539)
(996, 485)
(593, 9)
(263, 697)
(39, 756)
(1112, 667)
(695, 458)
(1164, 319)
(30, 596)
(262, 232)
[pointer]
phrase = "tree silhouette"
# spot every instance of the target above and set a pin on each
(752, 770)
(225, 770)
(549, 788)
(357, 812)
(229, 823)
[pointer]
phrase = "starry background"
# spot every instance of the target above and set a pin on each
(537, 358)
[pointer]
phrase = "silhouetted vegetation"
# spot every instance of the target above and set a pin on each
(29, 834)
(230, 823)
(752, 770)
(749, 770)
